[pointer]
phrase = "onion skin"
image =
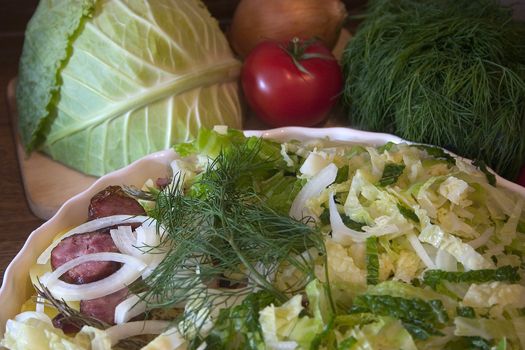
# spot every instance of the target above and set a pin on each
(281, 20)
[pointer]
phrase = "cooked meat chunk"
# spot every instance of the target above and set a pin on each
(59, 321)
(162, 182)
(103, 308)
(113, 201)
(81, 244)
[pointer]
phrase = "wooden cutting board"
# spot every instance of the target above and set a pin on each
(47, 183)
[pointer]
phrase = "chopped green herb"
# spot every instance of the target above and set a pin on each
(354, 225)
(347, 343)
(466, 311)
(372, 261)
(468, 343)
(505, 273)
(421, 318)
(407, 213)
(491, 178)
(438, 153)
(521, 227)
(391, 173)
(342, 174)
(386, 147)
(325, 337)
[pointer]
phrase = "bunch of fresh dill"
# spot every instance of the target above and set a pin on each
(222, 240)
(443, 72)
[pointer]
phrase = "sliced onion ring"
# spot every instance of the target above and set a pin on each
(142, 243)
(312, 188)
(483, 239)
(40, 304)
(147, 242)
(90, 226)
(124, 239)
(129, 308)
(340, 233)
(420, 250)
(130, 329)
(129, 272)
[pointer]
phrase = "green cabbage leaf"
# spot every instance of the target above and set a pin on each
(104, 83)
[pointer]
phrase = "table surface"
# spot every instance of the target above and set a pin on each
(16, 220)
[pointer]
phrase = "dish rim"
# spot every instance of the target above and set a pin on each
(16, 275)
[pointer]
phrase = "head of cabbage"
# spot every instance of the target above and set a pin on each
(104, 82)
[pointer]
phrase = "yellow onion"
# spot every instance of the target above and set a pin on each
(258, 20)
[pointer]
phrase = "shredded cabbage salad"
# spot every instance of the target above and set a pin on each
(419, 250)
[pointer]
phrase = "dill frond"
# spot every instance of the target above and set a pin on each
(449, 73)
(224, 233)
(70, 315)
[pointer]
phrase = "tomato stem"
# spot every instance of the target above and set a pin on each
(296, 49)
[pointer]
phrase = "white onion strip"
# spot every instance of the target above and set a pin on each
(147, 235)
(130, 329)
(142, 243)
(111, 284)
(90, 226)
(128, 273)
(129, 308)
(147, 242)
(50, 277)
(340, 233)
(420, 250)
(124, 239)
(312, 188)
(40, 304)
(483, 239)
(445, 261)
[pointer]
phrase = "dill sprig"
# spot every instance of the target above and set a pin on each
(443, 72)
(69, 315)
(77, 319)
(220, 231)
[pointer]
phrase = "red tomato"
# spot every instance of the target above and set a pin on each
(521, 178)
(283, 92)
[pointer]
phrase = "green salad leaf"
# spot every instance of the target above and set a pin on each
(238, 327)
(132, 78)
(385, 333)
(489, 329)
